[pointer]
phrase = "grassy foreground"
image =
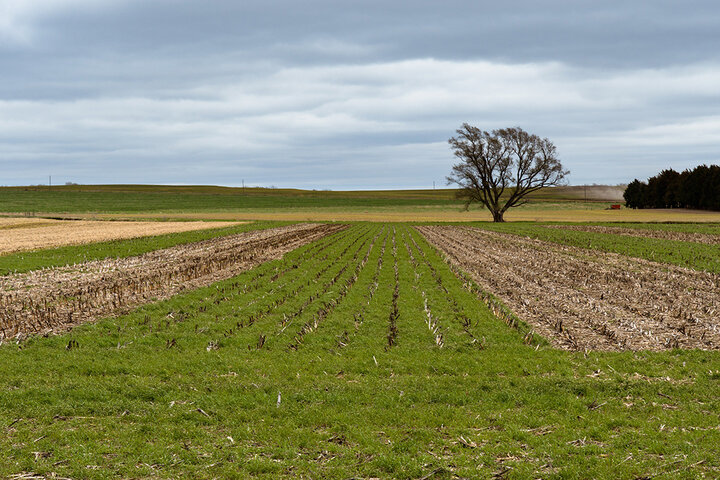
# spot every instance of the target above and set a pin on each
(328, 364)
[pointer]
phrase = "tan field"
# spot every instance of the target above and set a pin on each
(22, 234)
(541, 212)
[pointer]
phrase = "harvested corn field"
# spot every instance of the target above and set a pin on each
(361, 354)
(584, 299)
(644, 233)
(22, 234)
(55, 299)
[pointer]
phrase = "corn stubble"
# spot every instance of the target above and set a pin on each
(704, 238)
(54, 300)
(581, 299)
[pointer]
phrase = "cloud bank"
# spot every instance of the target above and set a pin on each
(343, 95)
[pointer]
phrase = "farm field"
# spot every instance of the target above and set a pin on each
(534, 212)
(365, 352)
(48, 301)
(139, 202)
(698, 255)
(712, 238)
(25, 261)
(198, 198)
(21, 234)
(588, 300)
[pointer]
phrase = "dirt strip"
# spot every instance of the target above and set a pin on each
(644, 233)
(585, 299)
(54, 300)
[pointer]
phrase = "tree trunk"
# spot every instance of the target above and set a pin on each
(498, 217)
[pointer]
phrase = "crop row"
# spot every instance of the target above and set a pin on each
(369, 287)
(48, 300)
(698, 256)
(583, 301)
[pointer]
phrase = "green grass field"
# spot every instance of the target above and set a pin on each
(187, 388)
(173, 199)
(572, 203)
(160, 198)
(361, 355)
(170, 199)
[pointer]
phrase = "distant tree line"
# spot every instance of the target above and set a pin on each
(697, 188)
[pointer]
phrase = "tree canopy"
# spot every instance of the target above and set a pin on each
(498, 169)
(697, 188)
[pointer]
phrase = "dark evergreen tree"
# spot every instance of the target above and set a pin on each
(635, 194)
(697, 188)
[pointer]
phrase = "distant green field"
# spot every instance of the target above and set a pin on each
(134, 198)
(170, 199)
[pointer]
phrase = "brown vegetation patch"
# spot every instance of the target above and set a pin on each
(13, 223)
(644, 233)
(21, 234)
(56, 299)
(585, 299)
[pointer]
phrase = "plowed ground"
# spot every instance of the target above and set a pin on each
(643, 233)
(584, 299)
(56, 299)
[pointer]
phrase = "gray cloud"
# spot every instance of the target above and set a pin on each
(362, 95)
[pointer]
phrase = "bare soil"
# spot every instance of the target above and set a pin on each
(22, 234)
(54, 300)
(637, 232)
(584, 299)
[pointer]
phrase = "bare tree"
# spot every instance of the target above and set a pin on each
(499, 168)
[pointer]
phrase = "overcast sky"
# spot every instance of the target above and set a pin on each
(347, 95)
